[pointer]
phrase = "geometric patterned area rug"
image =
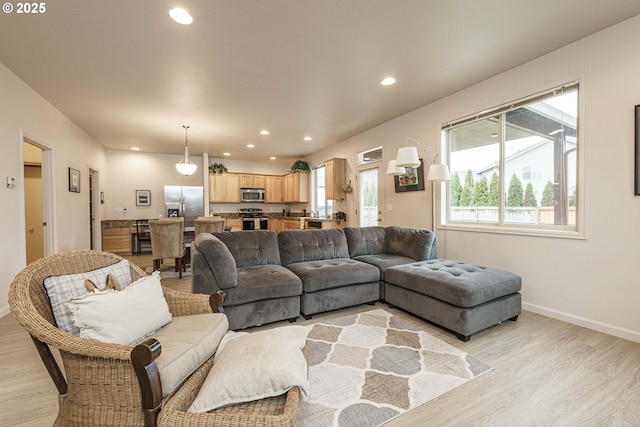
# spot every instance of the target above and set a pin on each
(370, 367)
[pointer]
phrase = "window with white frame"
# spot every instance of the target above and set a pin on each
(516, 165)
(319, 202)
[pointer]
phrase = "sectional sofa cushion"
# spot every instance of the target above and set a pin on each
(260, 247)
(263, 282)
(365, 240)
(416, 243)
(312, 245)
(333, 273)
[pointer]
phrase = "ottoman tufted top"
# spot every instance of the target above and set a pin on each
(455, 282)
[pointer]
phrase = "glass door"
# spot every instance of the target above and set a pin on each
(369, 197)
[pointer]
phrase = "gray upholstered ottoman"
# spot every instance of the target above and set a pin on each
(465, 298)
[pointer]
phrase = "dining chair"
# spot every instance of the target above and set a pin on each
(142, 234)
(208, 225)
(167, 241)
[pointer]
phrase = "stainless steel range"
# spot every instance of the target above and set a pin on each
(253, 219)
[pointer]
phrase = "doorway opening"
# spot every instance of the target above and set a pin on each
(34, 218)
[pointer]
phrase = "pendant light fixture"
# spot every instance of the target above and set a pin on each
(185, 166)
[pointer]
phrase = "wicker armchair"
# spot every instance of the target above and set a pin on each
(102, 384)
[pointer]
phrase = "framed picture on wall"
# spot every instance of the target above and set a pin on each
(143, 197)
(74, 180)
(413, 180)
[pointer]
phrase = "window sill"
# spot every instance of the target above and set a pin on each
(520, 231)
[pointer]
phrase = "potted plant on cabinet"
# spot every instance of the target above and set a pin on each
(300, 166)
(217, 168)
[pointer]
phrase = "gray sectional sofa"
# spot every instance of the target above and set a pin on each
(268, 277)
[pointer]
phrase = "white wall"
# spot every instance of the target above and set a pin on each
(22, 111)
(130, 171)
(591, 282)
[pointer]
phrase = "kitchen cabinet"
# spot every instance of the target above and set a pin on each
(296, 188)
(224, 188)
(276, 225)
(252, 181)
(335, 178)
(234, 223)
(273, 189)
(291, 224)
(117, 240)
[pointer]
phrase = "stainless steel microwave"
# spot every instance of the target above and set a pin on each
(255, 195)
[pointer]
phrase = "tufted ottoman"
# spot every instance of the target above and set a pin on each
(462, 297)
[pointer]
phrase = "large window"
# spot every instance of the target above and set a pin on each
(322, 206)
(516, 166)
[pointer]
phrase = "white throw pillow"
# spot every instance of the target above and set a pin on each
(253, 366)
(123, 317)
(60, 289)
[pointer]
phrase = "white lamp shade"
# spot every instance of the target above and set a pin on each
(408, 157)
(185, 166)
(438, 172)
(392, 169)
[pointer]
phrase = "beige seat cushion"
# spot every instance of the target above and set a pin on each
(187, 342)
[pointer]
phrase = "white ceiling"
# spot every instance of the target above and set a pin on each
(129, 76)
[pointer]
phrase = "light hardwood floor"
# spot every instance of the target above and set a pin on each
(545, 373)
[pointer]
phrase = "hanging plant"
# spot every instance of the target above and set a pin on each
(300, 166)
(347, 188)
(217, 168)
(341, 216)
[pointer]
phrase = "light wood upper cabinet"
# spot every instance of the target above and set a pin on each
(273, 189)
(335, 176)
(252, 181)
(224, 188)
(296, 188)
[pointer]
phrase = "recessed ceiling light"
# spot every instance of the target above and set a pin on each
(387, 81)
(264, 132)
(250, 146)
(307, 138)
(181, 16)
(272, 158)
(226, 154)
(135, 148)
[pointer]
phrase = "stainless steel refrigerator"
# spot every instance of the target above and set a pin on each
(187, 201)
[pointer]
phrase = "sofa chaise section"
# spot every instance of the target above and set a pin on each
(330, 278)
(386, 247)
(246, 266)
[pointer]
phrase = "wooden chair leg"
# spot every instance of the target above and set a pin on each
(179, 267)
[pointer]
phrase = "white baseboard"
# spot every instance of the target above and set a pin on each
(4, 311)
(581, 321)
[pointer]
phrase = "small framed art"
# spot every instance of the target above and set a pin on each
(413, 180)
(74, 180)
(143, 197)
